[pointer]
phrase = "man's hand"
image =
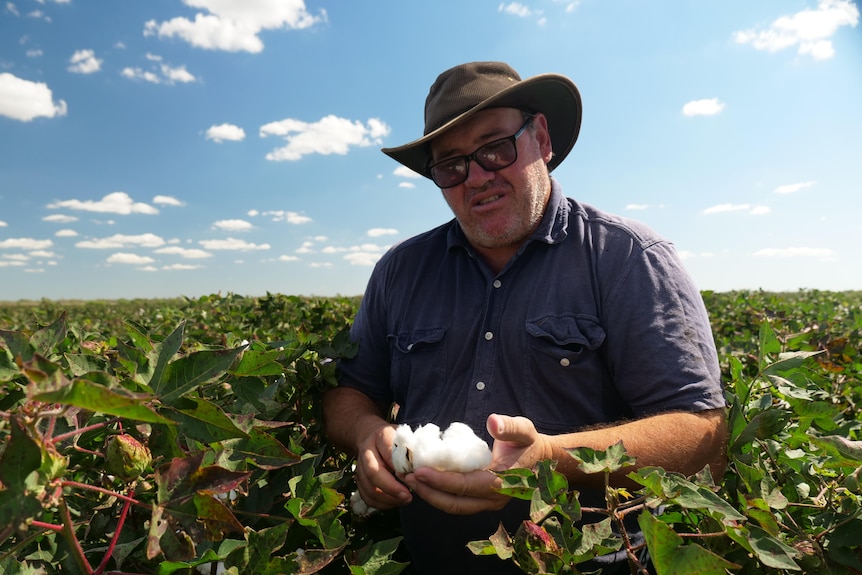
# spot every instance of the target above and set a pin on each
(374, 476)
(516, 444)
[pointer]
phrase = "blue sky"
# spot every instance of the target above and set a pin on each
(160, 148)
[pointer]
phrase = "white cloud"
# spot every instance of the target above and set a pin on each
(167, 201)
(705, 107)
(808, 29)
(84, 62)
(232, 244)
(66, 234)
(405, 172)
(233, 225)
(12, 9)
(187, 253)
(221, 132)
(10, 263)
(377, 232)
(793, 188)
(159, 72)
(362, 258)
(25, 244)
(33, 53)
(182, 267)
(3, 224)
(24, 100)
(60, 218)
(234, 26)
(329, 135)
(122, 241)
(113, 203)
(284, 216)
(793, 252)
(305, 248)
(725, 208)
(515, 9)
(287, 258)
(126, 258)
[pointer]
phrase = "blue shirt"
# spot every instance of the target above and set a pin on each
(595, 320)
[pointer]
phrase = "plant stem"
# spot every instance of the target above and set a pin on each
(119, 496)
(101, 568)
(48, 526)
(69, 534)
(64, 436)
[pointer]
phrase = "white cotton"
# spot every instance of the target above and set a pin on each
(456, 449)
(359, 507)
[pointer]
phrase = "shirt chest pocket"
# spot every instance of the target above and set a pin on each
(418, 369)
(565, 372)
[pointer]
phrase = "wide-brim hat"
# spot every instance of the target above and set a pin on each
(462, 91)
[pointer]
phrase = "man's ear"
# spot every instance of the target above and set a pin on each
(543, 137)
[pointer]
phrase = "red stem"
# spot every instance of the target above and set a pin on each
(69, 534)
(81, 430)
(48, 526)
(101, 568)
(119, 496)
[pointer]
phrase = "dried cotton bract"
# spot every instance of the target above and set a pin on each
(456, 449)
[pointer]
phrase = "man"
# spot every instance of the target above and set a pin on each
(541, 322)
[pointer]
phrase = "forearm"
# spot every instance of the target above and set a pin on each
(680, 442)
(349, 416)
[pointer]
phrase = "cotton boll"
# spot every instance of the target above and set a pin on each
(359, 507)
(401, 449)
(457, 449)
(467, 451)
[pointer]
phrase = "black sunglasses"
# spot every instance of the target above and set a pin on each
(492, 156)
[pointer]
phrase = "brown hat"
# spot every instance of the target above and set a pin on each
(460, 92)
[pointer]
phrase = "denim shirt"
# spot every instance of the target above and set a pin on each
(595, 320)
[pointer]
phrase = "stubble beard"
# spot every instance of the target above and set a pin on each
(519, 229)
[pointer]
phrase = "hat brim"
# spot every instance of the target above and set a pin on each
(553, 95)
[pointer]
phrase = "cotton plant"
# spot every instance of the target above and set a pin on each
(455, 449)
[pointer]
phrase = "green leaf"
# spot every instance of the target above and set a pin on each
(376, 559)
(259, 363)
(671, 557)
(162, 353)
(21, 457)
(46, 339)
(95, 397)
(187, 373)
(612, 459)
(841, 447)
(203, 420)
(770, 551)
(762, 426)
(788, 361)
(261, 450)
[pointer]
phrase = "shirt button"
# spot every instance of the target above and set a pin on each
(565, 362)
(489, 335)
(480, 386)
(410, 347)
(497, 283)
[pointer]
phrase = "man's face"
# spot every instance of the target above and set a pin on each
(498, 209)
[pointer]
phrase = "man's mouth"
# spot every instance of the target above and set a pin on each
(489, 199)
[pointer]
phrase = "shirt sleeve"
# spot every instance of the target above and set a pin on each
(661, 352)
(369, 370)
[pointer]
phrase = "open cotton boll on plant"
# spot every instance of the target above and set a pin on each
(456, 449)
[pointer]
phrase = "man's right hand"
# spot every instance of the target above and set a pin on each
(375, 476)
